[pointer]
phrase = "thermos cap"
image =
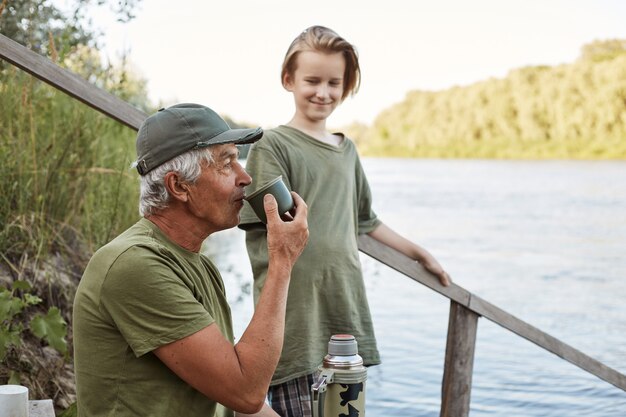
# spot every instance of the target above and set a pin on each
(343, 357)
(342, 345)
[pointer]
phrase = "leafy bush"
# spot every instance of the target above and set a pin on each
(50, 327)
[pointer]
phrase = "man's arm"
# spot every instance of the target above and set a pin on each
(266, 411)
(238, 376)
(384, 234)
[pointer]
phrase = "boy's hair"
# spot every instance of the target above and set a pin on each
(322, 39)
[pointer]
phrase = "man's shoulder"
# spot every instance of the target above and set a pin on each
(134, 233)
(136, 239)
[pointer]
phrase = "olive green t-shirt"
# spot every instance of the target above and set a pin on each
(327, 293)
(139, 292)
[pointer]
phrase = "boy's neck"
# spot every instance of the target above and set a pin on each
(316, 130)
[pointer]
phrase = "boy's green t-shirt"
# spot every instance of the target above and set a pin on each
(139, 292)
(327, 292)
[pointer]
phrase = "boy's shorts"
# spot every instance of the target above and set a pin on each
(292, 398)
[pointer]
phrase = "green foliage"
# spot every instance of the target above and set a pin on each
(10, 331)
(71, 411)
(34, 23)
(123, 9)
(51, 327)
(66, 184)
(119, 80)
(603, 50)
(65, 175)
(568, 111)
(67, 189)
(43, 27)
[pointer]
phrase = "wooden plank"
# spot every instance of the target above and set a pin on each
(70, 83)
(456, 387)
(548, 342)
(408, 267)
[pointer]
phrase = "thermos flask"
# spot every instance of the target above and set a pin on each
(340, 387)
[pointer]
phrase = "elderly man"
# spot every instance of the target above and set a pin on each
(152, 328)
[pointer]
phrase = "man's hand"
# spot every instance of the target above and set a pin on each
(266, 411)
(286, 239)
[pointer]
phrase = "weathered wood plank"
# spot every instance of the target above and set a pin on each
(456, 387)
(403, 264)
(70, 83)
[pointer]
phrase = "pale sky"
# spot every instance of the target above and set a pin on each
(227, 54)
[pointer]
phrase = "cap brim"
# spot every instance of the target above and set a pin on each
(236, 136)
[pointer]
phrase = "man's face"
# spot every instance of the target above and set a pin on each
(217, 196)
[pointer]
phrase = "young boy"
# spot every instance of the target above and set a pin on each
(327, 293)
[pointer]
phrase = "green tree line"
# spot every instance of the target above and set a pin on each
(570, 111)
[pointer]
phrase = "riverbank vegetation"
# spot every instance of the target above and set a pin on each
(67, 189)
(570, 111)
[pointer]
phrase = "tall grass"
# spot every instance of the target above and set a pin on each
(66, 189)
(64, 179)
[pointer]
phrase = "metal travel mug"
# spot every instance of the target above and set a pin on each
(340, 387)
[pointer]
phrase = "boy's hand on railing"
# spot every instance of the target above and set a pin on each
(387, 236)
(432, 266)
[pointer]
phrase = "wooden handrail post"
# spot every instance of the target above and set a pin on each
(456, 387)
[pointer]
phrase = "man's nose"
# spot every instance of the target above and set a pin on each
(243, 177)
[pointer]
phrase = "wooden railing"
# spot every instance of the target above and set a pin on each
(70, 83)
(465, 307)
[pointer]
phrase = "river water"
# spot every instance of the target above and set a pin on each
(543, 240)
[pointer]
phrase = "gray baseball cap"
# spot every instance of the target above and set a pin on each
(180, 128)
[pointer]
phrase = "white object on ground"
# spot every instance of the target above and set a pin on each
(13, 401)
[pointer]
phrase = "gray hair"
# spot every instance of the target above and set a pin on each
(153, 195)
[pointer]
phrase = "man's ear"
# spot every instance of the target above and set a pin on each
(177, 189)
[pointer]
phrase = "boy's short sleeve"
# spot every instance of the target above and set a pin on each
(367, 218)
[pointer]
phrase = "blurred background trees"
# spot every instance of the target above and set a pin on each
(575, 110)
